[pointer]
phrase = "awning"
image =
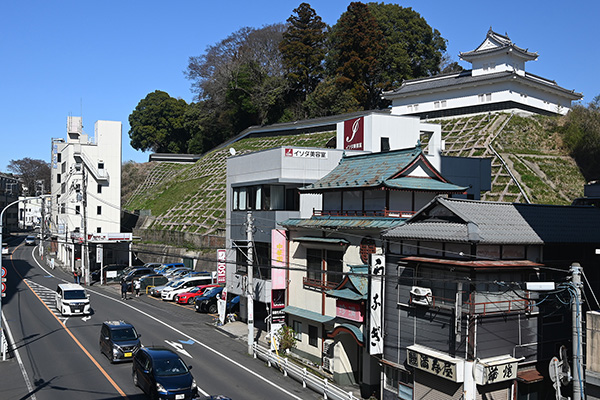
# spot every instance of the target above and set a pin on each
(307, 314)
(316, 239)
(348, 328)
(531, 375)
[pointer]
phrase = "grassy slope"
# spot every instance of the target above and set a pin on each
(191, 197)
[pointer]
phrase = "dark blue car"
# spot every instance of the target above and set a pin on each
(162, 374)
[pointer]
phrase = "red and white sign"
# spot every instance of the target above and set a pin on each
(354, 134)
(3, 272)
(221, 266)
(349, 310)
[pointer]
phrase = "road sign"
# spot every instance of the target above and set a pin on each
(3, 272)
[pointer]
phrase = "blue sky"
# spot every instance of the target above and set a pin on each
(98, 59)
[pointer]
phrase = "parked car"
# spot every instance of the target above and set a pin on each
(166, 267)
(5, 248)
(112, 273)
(161, 373)
(30, 240)
(208, 301)
(188, 297)
(135, 274)
(118, 341)
(183, 285)
(152, 280)
(176, 273)
(152, 265)
(155, 291)
(233, 305)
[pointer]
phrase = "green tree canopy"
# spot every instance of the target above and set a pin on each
(412, 49)
(355, 48)
(303, 51)
(157, 124)
(581, 135)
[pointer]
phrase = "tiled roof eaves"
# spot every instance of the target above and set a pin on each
(443, 84)
(342, 223)
(476, 53)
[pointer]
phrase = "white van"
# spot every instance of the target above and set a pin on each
(184, 284)
(72, 299)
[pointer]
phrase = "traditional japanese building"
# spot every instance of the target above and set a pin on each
(497, 82)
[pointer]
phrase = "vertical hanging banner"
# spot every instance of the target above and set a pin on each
(278, 257)
(354, 134)
(221, 265)
(377, 272)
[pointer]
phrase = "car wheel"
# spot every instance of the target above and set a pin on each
(135, 379)
(190, 300)
(212, 308)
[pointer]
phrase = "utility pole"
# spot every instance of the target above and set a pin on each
(84, 256)
(250, 285)
(576, 332)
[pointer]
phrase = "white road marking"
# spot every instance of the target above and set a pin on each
(31, 394)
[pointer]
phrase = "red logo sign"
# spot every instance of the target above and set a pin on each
(354, 134)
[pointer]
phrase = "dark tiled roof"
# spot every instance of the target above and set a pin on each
(376, 170)
(460, 220)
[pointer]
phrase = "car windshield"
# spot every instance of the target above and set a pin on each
(123, 334)
(169, 366)
(195, 290)
(74, 294)
(211, 292)
(172, 283)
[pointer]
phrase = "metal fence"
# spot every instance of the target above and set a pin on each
(308, 379)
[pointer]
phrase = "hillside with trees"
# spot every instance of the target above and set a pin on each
(289, 71)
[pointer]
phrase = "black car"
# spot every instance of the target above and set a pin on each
(208, 301)
(135, 274)
(118, 340)
(162, 374)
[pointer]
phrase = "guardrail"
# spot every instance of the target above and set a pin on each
(300, 374)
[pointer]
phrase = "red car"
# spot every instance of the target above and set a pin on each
(188, 297)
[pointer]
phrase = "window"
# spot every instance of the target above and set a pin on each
(385, 144)
(100, 165)
(99, 210)
(241, 260)
(443, 103)
(330, 261)
(313, 333)
(57, 178)
(436, 104)
(297, 327)
(58, 157)
(481, 99)
(334, 266)
(488, 97)
(313, 264)
(77, 210)
(99, 189)
(98, 230)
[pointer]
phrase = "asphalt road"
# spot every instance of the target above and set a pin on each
(61, 356)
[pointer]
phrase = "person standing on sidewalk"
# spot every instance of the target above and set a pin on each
(123, 289)
(75, 276)
(137, 285)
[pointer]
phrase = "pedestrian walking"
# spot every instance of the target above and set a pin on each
(137, 285)
(75, 276)
(123, 289)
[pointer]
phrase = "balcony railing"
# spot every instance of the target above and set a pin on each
(364, 213)
(319, 284)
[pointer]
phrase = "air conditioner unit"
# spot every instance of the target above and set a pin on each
(421, 296)
(328, 348)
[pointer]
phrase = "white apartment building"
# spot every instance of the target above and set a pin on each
(86, 197)
(30, 212)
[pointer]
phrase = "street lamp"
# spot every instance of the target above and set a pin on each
(1, 259)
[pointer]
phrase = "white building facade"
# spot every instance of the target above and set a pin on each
(86, 195)
(497, 82)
